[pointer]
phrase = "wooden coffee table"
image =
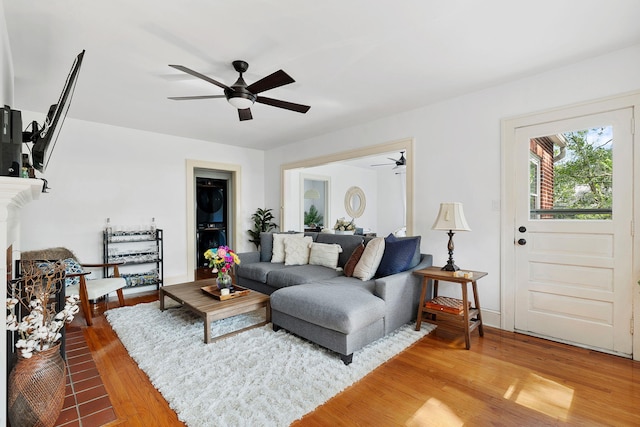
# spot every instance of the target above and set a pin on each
(204, 305)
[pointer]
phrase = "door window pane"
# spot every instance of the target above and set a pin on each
(574, 177)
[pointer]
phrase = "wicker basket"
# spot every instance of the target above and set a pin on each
(446, 305)
(36, 389)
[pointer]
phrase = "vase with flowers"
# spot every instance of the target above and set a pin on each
(221, 260)
(343, 226)
(36, 385)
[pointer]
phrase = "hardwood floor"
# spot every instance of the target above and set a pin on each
(505, 379)
(134, 399)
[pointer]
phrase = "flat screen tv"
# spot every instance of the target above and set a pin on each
(44, 139)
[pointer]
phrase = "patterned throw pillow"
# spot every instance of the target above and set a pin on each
(72, 266)
(278, 254)
(45, 266)
(325, 254)
(297, 251)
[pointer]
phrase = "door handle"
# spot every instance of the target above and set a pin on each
(522, 242)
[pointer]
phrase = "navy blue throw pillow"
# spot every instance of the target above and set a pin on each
(398, 255)
(417, 256)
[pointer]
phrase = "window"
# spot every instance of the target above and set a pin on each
(570, 175)
(534, 185)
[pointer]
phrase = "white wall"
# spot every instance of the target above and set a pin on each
(457, 153)
(6, 62)
(391, 201)
(99, 171)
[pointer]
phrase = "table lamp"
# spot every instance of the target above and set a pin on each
(451, 218)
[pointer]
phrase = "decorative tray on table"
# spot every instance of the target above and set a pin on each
(213, 290)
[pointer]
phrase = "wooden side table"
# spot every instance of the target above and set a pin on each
(469, 318)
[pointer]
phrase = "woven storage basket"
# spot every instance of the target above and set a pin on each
(446, 305)
(36, 389)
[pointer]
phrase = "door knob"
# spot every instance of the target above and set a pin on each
(522, 242)
(522, 229)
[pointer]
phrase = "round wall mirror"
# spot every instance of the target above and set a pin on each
(355, 202)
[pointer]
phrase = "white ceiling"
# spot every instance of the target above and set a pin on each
(353, 61)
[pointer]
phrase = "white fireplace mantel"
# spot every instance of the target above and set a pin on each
(14, 194)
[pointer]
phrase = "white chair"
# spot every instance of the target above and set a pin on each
(93, 289)
(87, 289)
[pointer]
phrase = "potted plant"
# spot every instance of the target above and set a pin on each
(262, 222)
(313, 218)
(343, 226)
(36, 385)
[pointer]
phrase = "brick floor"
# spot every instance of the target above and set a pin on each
(86, 402)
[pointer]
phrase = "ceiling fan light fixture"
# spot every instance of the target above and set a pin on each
(241, 101)
(242, 96)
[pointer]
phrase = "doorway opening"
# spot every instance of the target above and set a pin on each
(212, 216)
(292, 196)
(212, 212)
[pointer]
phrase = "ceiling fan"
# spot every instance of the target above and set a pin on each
(399, 163)
(241, 95)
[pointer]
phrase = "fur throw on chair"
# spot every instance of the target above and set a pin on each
(50, 254)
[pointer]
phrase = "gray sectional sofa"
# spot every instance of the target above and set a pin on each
(324, 306)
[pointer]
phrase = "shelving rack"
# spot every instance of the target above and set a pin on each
(135, 249)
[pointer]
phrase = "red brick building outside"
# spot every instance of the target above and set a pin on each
(542, 164)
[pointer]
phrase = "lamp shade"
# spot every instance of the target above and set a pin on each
(311, 194)
(451, 217)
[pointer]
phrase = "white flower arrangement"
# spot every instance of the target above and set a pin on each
(40, 329)
(344, 225)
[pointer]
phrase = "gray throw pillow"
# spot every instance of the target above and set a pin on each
(266, 246)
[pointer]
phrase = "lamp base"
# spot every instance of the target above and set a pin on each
(450, 267)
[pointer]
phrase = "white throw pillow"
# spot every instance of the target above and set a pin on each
(325, 254)
(370, 260)
(278, 245)
(297, 251)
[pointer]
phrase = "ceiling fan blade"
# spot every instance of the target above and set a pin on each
(277, 79)
(184, 98)
(383, 164)
(198, 75)
(283, 104)
(245, 114)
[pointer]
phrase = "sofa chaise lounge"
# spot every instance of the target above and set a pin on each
(323, 302)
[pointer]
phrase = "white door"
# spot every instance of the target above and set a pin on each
(574, 237)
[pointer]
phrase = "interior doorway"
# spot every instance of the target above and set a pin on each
(213, 207)
(291, 204)
(213, 213)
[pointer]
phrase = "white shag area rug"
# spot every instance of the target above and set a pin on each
(256, 378)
